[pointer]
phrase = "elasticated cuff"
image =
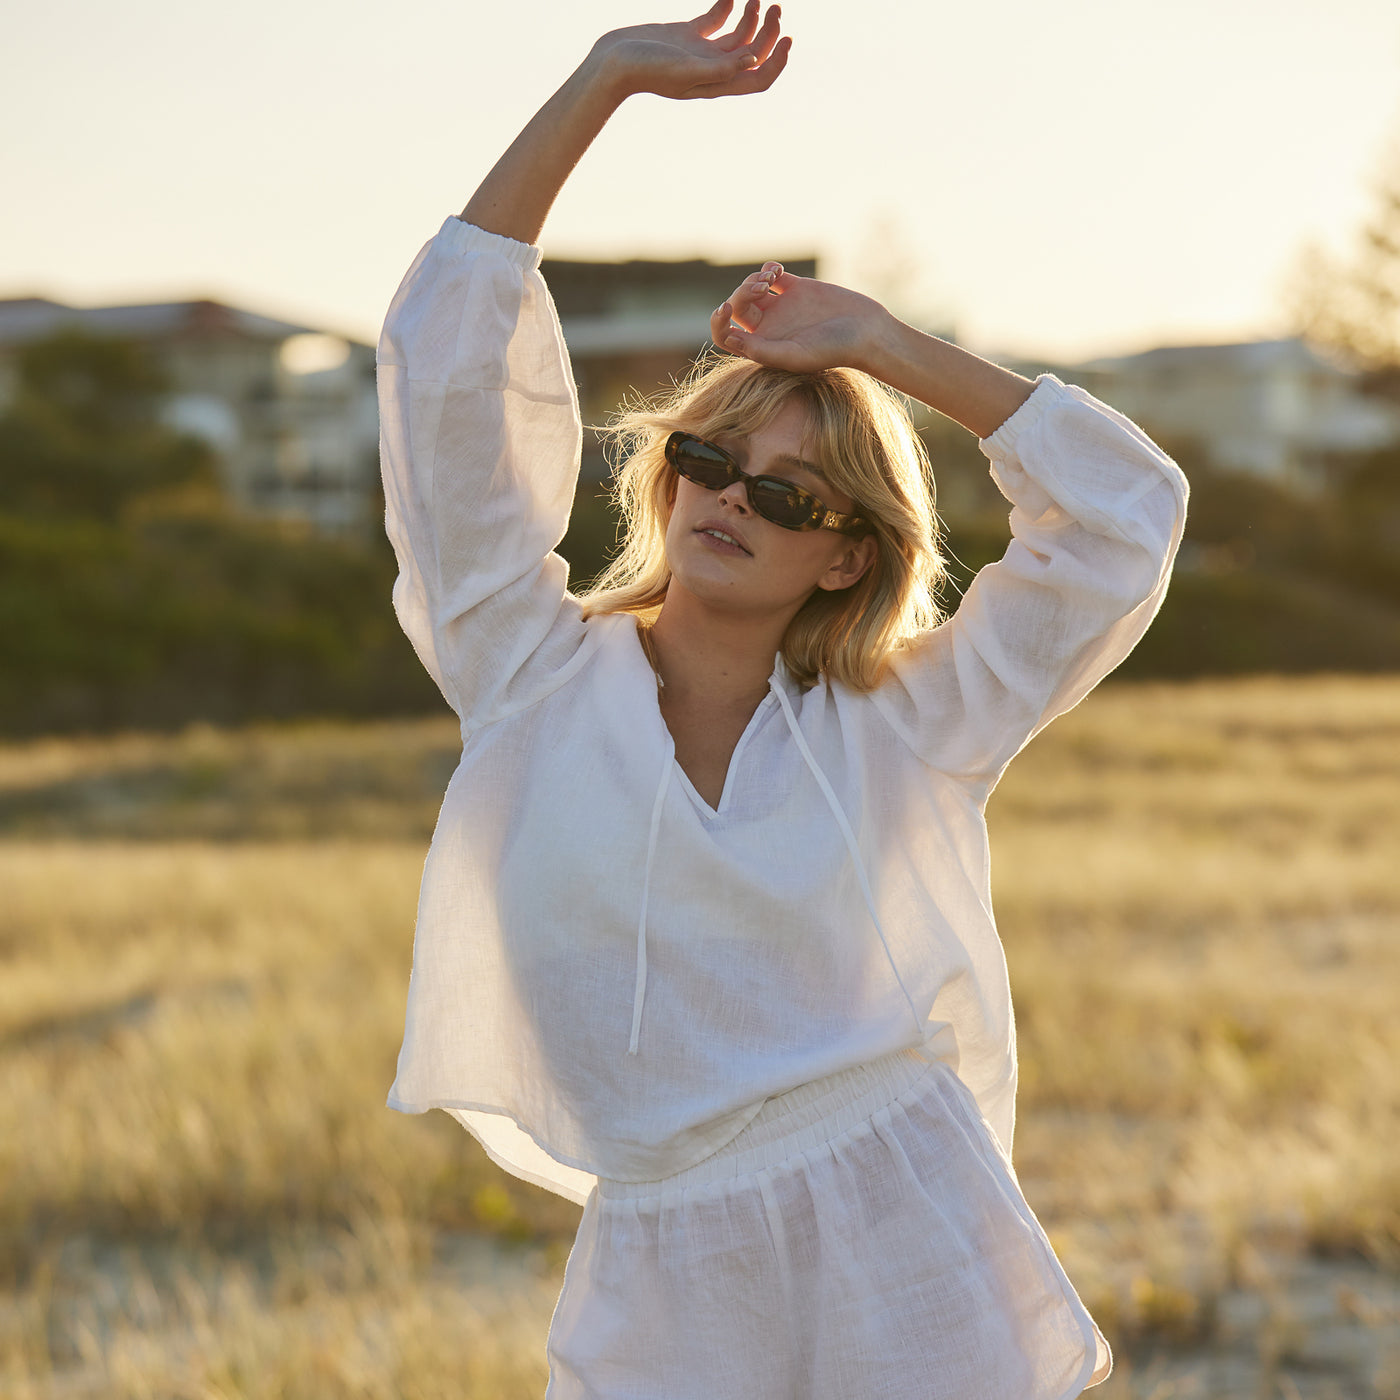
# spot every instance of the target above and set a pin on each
(462, 237)
(1001, 444)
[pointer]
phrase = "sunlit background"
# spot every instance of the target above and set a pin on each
(1059, 180)
(221, 763)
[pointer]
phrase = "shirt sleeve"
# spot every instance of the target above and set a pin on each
(480, 440)
(1097, 517)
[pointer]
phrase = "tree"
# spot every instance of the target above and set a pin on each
(1352, 306)
(83, 436)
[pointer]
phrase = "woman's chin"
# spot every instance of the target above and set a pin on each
(727, 591)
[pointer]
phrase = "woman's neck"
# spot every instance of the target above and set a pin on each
(720, 659)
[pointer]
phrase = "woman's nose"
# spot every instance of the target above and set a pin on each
(736, 493)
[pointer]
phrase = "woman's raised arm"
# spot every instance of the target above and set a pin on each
(479, 423)
(672, 60)
(1098, 511)
(801, 323)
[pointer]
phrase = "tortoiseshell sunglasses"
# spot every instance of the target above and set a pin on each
(771, 497)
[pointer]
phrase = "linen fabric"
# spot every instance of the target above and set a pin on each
(609, 976)
(862, 1236)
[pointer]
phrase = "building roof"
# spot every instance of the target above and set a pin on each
(595, 289)
(1256, 355)
(31, 318)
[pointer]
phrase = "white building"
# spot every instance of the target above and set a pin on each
(1275, 408)
(293, 415)
(291, 412)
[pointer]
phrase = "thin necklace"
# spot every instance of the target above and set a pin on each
(649, 651)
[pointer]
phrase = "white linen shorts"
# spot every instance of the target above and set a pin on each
(863, 1238)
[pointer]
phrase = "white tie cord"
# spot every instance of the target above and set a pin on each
(639, 994)
(838, 812)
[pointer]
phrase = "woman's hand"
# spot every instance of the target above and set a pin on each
(674, 60)
(683, 60)
(800, 323)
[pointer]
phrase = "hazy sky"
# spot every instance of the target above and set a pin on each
(1063, 180)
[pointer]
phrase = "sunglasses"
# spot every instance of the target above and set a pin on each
(771, 497)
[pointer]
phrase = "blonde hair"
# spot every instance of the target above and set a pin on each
(867, 448)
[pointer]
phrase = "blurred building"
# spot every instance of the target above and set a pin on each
(291, 411)
(1275, 408)
(636, 326)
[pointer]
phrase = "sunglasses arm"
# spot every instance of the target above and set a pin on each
(852, 525)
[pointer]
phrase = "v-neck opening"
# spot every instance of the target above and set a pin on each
(726, 792)
(706, 811)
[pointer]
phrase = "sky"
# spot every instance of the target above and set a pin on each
(1055, 181)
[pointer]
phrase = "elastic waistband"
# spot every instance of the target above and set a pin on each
(806, 1117)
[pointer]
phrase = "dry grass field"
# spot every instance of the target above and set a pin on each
(205, 942)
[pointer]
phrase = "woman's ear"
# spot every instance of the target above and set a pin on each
(851, 567)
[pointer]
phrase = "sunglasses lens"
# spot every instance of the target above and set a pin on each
(702, 463)
(782, 504)
(771, 497)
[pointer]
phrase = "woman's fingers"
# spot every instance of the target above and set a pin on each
(762, 77)
(781, 354)
(744, 309)
(764, 40)
(759, 286)
(745, 27)
(719, 323)
(706, 24)
(764, 278)
(756, 56)
(762, 286)
(746, 304)
(737, 312)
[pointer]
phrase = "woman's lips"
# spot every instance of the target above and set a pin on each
(721, 539)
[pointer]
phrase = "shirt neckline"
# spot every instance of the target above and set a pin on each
(704, 809)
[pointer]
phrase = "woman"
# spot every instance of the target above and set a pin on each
(705, 938)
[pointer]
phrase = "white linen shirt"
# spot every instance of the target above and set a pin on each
(609, 976)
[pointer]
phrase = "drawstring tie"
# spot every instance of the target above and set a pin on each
(639, 994)
(839, 813)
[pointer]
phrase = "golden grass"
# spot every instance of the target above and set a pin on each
(206, 938)
(206, 1035)
(350, 1318)
(265, 782)
(1198, 890)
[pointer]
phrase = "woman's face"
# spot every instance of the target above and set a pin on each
(761, 568)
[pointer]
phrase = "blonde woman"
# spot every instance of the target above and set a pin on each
(705, 940)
